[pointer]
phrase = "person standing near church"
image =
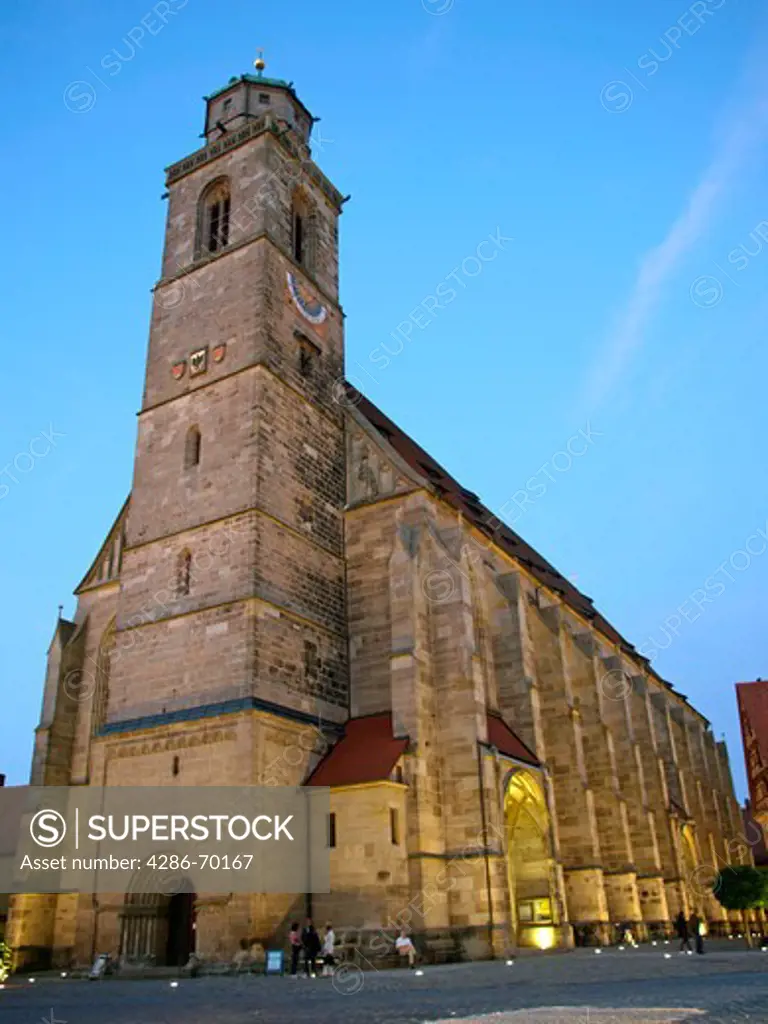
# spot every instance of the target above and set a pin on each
(681, 926)
(329, 941)
(310, 940)
(694, 926)
(294, 939)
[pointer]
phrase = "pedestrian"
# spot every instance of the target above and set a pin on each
(405, 947)
(310, 940)
(242, 958)
(695, 926)
(294, 938)
(329, 941)
(681, 926)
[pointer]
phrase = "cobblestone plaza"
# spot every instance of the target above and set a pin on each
(579, 987)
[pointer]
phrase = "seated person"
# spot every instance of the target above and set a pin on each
(405, 947)
(241, 961)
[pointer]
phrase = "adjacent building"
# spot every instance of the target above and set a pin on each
(753, 714)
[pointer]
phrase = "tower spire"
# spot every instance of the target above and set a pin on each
(260, 63)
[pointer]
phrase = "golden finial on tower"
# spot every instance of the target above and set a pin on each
(260, 63)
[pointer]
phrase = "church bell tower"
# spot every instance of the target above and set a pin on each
(232, 588)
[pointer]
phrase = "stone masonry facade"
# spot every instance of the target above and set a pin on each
(289, 561)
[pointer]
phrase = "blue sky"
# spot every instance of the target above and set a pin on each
(618, 151)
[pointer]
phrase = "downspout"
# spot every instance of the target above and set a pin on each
(94, 896)
(484, 820)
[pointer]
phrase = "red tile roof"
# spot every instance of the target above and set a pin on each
(473, 510)
(506, 742)
(367, 752)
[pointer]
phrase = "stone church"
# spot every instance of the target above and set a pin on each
(296, 593)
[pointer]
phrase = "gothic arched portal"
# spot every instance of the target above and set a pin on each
(158, 919)
(529, 860)
(692, 872)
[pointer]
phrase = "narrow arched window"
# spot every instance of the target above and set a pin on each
(303, 230)
(103, 669)
(213, 217)
(298, 236)
(184, 574)
(192, 448)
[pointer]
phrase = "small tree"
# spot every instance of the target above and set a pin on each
(5, 961)
(741, 887)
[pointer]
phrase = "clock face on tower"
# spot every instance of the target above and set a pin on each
(309, 307)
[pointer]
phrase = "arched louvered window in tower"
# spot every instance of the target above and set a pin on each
(213, 218)
(303, 231)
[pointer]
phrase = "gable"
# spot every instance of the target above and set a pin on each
(375, 469)
(108, 562)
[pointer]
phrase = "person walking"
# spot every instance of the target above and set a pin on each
(695, 927)
(310, 940)
(329, 941)
(294, 939)
(681, 926)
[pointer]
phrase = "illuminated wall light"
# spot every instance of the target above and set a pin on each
(543, 938)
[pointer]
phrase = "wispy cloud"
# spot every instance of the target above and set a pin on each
(735, 144)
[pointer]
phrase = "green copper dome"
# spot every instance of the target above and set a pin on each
(255, 80)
